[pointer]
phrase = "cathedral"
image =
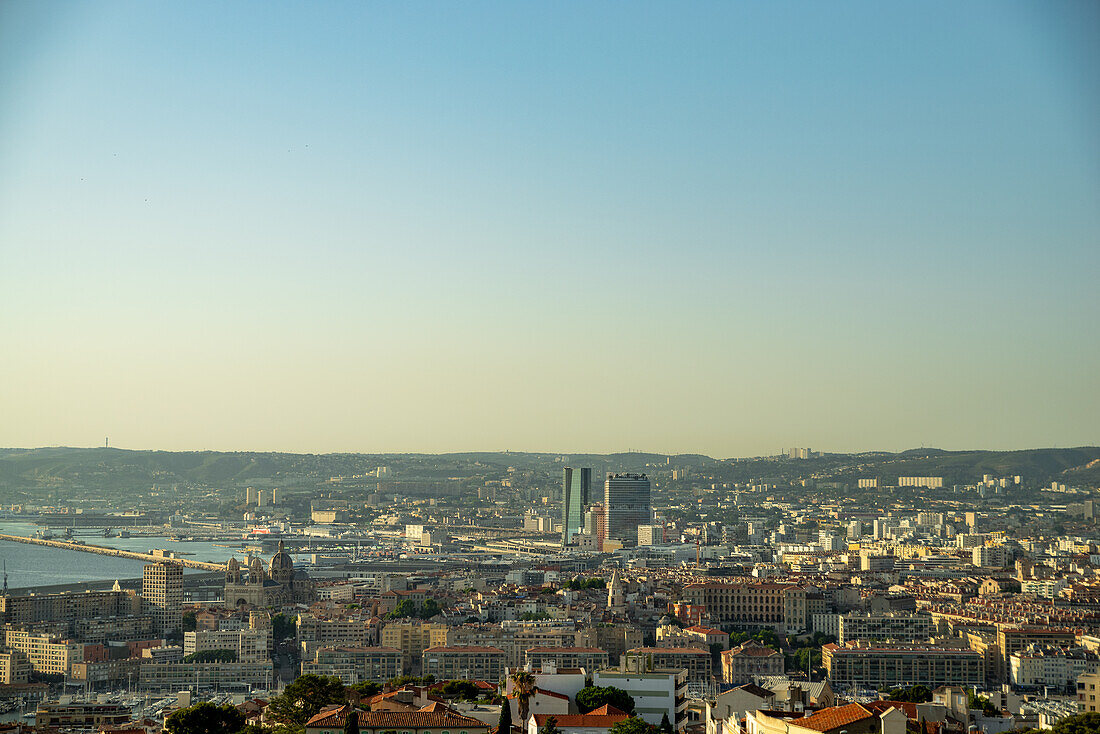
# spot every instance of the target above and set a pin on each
(276, 586)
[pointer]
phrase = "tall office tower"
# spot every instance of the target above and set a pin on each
(162, 590)
(575, 488)
(626, 502)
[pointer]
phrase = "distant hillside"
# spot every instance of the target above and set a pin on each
(29, 470)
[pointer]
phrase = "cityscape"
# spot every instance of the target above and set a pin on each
(488, 367)
(799, 590)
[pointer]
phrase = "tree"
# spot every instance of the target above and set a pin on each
(367, 688)
(461, 689)
(592, 697)
(504, 723)
(301, 700)
(975, 701)
(283, 626)
(523, 687)
(633, 725)
(205, 718)
(666, 725)
(211, 656)
(914, 694)
(351, 724)
(189, 622)
(550, 727)
(1078, 724)
(765, 637)
(429, 609)
(416, 680)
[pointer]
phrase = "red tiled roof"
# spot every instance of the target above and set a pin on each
(471, 649)
(833, 717)
(566, 649)
(705, 630)
(669, 651)
(595, 721)
(880, 707)
(337, 717)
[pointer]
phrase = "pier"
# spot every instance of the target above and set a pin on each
(84, 547)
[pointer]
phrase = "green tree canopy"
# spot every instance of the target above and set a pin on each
(410, 680)
(301, 700)
(633, 725)
(504, 723)
(367, 688)
(283, 626)
(1078, 724)
(462, 689)
(765, 637)
(915, 694)
(550, 727)
(592, 697)
(351, 723)
(205, 718)
(212, 656)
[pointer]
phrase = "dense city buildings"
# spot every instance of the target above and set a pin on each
(734, 601)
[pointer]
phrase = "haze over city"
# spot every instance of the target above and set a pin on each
(722, 228)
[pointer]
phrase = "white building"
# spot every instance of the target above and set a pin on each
(656, 692)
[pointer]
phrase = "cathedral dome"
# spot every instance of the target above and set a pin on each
(281, 563)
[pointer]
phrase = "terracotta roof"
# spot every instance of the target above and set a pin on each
(880, 707)
(471, 648)
(337, 716)
(669, 651)
(705, 630)
(605, 710)
(595, 721)
(833, 717)
(566, 649)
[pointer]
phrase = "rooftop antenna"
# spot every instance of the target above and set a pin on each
(107, 442)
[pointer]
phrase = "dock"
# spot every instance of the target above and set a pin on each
(86, 548)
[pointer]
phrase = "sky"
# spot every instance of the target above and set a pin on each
(713, 227)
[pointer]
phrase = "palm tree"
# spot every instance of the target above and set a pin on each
(523, 687)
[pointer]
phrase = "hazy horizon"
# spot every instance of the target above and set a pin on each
(717, 228)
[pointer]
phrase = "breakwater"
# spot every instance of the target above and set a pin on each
(87, 548)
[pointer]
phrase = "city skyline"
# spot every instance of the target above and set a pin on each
(377, 228)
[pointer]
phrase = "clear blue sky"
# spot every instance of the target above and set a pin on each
(721, 227)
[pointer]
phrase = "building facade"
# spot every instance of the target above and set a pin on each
(464, 663)
(576, 486)
(874, 665)
(626, 501)
(277, 586)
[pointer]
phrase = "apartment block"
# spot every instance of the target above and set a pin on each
(355, 664)
(464, 663)
(897, 626)
(875, 665)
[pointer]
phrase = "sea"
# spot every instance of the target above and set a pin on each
(30, 566)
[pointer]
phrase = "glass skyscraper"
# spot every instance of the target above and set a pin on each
(627, 503)
(575, 488)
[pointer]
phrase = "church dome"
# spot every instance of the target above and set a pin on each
(281, 562)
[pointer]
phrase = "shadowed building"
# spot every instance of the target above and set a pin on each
(576, 485)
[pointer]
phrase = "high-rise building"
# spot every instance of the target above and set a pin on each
(576, 485)
(627, 504)
(162, 590)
